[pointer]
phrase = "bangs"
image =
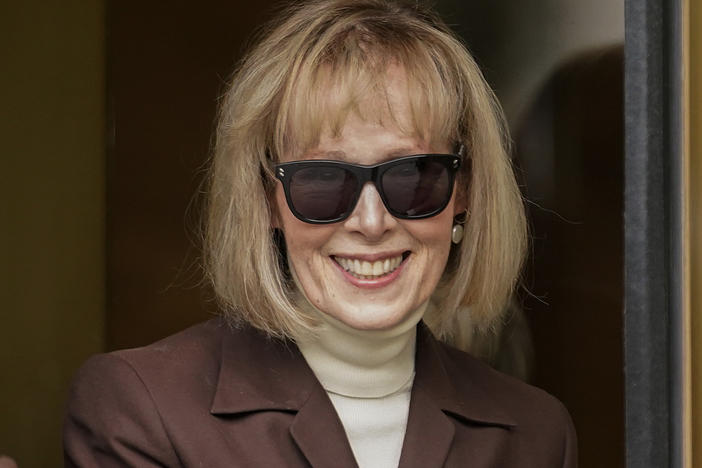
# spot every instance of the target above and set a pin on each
(353, 76)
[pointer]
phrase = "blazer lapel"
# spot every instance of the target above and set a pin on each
(440, 395)
(428, 436)
(259, 373)
(319, 433)
(429, 430)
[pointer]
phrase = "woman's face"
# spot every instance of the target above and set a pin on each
(320, 255)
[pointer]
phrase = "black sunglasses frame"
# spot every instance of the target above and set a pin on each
(285, 171)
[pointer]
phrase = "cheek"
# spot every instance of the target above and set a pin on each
(304, 242)
(436, 231)
(307, 259)
(434, 236)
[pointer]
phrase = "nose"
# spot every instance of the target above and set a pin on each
(370, 217)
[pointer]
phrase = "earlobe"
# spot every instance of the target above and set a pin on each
(459, 208)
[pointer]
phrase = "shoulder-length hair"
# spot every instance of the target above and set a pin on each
(279, 101)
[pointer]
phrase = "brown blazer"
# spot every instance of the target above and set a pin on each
(215, 397)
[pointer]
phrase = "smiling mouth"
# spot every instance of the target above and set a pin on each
(365, 270)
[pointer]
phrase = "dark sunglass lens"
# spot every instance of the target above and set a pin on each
(322, 193)
(417, 187)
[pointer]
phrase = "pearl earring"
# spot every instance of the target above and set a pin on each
(457, 234)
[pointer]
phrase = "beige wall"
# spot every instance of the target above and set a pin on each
(695, 245)
(51, 214)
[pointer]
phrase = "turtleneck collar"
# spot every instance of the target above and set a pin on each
(360, 363)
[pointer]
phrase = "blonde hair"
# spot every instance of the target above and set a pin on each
(279, 101)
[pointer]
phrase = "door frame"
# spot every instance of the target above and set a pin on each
(656, 316)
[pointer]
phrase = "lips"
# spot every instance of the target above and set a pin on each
(367, 270)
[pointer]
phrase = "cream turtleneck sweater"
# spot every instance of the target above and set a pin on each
(368, 376)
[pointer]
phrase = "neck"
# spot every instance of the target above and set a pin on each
(360, 363)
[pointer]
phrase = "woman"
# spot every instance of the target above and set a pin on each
(360, 196)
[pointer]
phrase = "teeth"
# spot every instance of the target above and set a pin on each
(366, 270)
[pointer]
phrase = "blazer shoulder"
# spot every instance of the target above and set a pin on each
(111, 419)
(118, 401)
(538, 430)
(193, 346)
(539, 416)
(516, 396)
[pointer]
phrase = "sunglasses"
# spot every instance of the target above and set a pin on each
(326, 191)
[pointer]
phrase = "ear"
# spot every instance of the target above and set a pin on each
(275, 214)
(460, 205)
(270, 194)
(275, 219)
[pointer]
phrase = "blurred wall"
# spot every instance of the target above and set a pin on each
(556, 66)
(518, 44)
(52, 291)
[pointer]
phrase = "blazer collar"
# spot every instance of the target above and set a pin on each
(454, 382)
(260, 373)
